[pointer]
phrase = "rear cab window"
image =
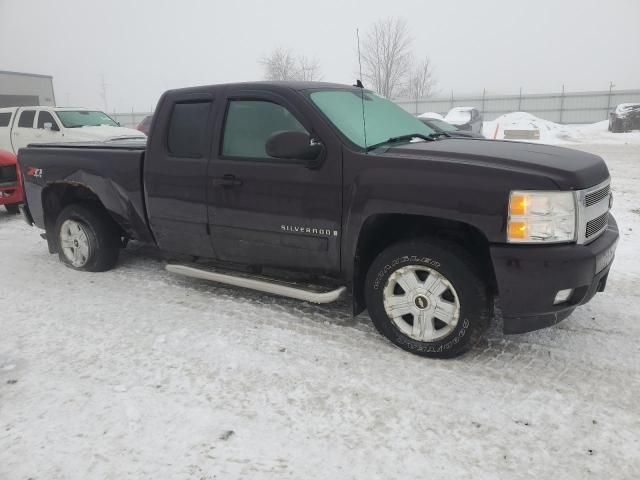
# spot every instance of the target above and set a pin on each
(5, 119)
(26, 118)
(187, 132)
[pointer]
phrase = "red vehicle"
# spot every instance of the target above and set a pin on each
(11, 194)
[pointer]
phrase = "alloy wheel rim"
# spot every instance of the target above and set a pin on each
(74, 242)
(422, 303)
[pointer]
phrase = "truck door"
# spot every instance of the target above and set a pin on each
(175, 174)
(23, 132)
(269, 211)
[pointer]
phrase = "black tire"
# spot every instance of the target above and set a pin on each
(457, 266)
(12, 209)
(102, 234)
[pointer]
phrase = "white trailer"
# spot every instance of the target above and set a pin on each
(26, 89)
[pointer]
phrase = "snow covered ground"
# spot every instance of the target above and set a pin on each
(555, 133)
(139, 374)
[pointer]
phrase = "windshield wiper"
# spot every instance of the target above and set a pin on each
(437, 135)
(401, 138)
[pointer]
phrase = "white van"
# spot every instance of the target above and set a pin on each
(20, 126)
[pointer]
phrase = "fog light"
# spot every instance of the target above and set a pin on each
(562, 296)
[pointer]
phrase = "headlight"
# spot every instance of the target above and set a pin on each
(541, 217)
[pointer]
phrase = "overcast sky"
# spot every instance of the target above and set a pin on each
(143, 47)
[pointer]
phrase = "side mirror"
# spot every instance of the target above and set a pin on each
(48, 125)
(295, 145)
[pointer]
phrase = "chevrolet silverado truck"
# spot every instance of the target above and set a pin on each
(315, 190)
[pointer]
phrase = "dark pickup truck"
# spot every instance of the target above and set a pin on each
(310, 190)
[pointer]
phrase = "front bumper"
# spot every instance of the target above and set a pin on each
(529, 276)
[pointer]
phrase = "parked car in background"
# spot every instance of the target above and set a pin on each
(145, 125)
(11, 194)
(625, 117)
(440, 126)
(20, 126)
(465, 118)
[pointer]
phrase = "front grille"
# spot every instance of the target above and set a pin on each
(594, 197)
(8, 174)
(596, 225)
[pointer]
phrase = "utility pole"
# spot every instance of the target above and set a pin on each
(484, 92)
(611, 85)
(520, 100)
(103, 93)
(561, 103)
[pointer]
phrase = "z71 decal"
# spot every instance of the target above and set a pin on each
(34, 172)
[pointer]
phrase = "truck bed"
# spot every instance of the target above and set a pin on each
(112, 170)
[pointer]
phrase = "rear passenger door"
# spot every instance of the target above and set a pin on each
(24, 132)
(175, 174)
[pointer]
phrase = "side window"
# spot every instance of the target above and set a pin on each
(249, 125)
(5, 119)
(46, 117)
(26, 118)
(187, 134)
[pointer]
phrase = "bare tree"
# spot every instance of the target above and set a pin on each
(420, 82)
(308, 69)
(281, 64)
(386, 56)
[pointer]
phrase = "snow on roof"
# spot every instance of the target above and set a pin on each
(624, 108)
(459, 115)
(431, 115)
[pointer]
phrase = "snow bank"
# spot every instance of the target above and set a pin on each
(555, 133)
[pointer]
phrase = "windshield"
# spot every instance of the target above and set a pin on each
(442, 125)
(85, 118)
(384, 119)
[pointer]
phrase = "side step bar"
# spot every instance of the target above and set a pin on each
(260, 284)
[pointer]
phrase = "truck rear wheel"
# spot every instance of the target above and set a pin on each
(88, 239)
(428, 298)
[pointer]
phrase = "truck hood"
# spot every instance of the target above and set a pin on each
(103, 132)
(567, 168)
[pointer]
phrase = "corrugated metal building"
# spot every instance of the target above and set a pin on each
(26, 89)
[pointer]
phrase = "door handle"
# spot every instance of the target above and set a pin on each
(226, 181)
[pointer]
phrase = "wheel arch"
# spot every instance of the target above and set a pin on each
(56, 196)
(379, 231)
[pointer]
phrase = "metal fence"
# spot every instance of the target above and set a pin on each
(563, 107)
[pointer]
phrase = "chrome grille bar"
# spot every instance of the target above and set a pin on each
(593, 211)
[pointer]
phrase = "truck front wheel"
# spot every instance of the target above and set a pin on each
(428, 298)
(87, 238)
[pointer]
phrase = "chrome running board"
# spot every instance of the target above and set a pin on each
(260, 284)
